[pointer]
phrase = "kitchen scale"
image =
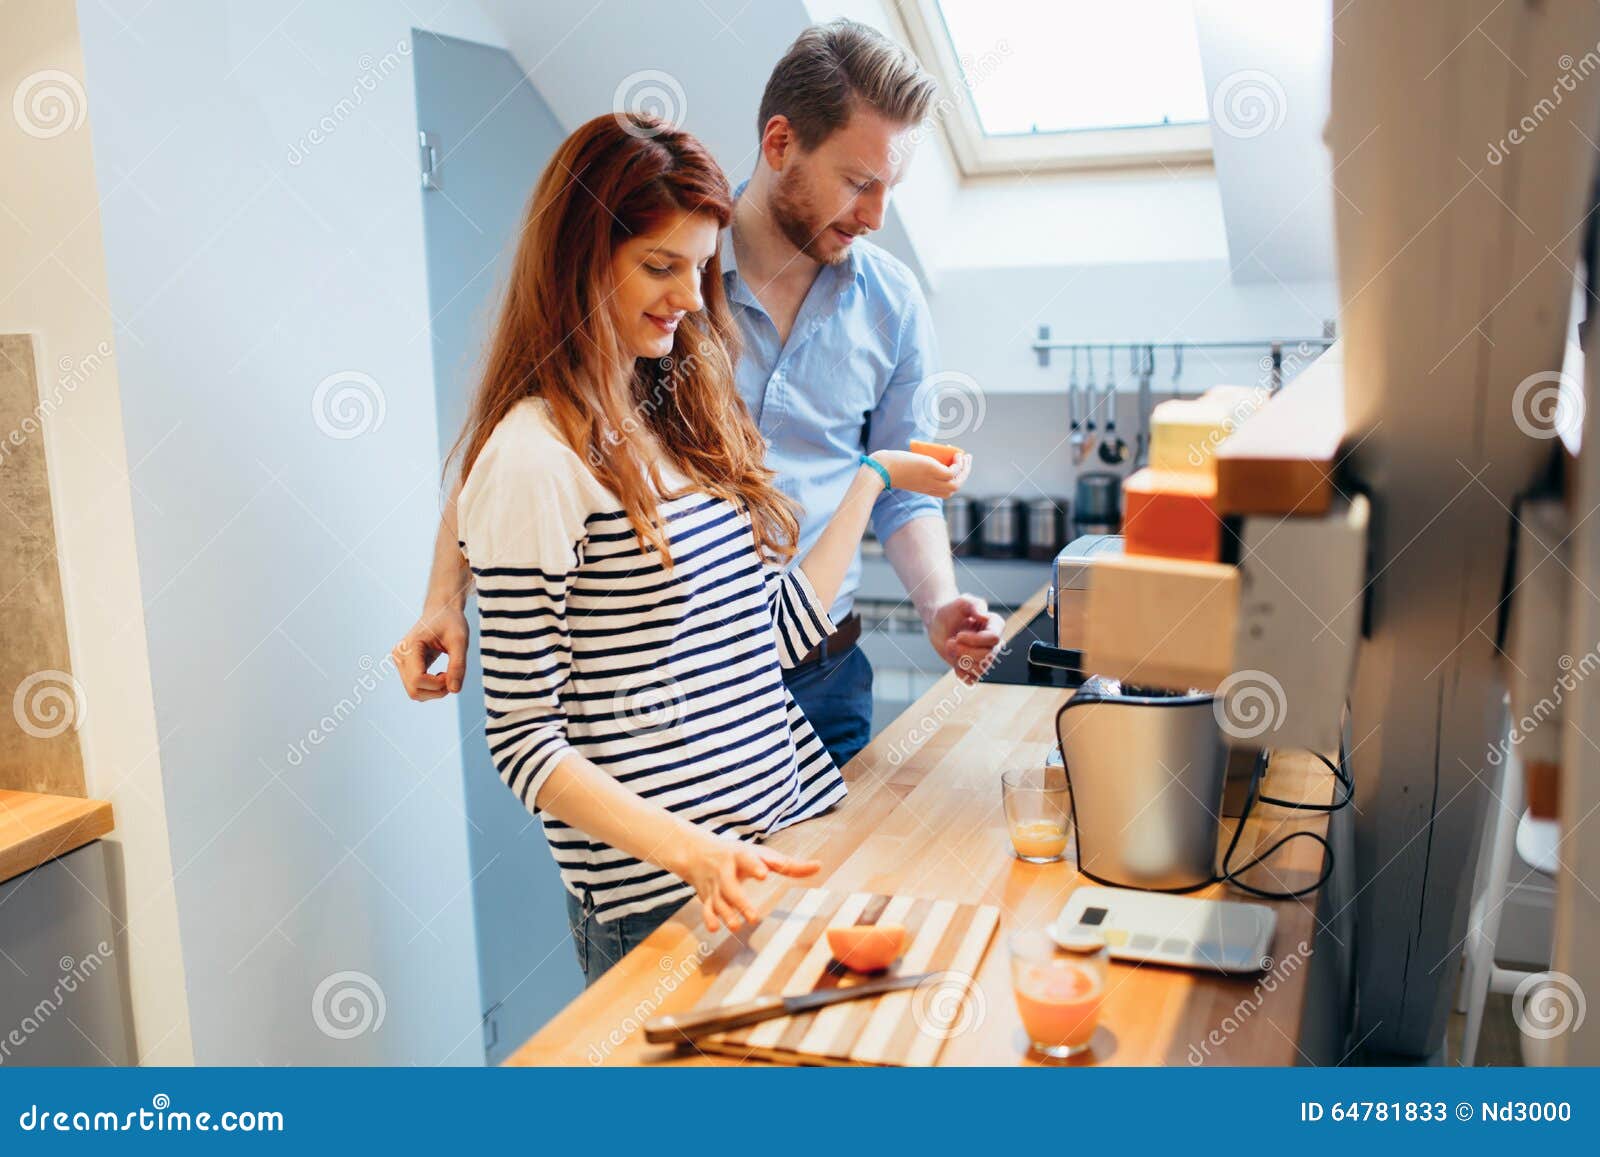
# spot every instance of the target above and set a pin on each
(1157, 928)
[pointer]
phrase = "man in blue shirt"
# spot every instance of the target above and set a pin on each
(838, 348)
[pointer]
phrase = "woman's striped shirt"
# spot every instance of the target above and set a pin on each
(669, 680)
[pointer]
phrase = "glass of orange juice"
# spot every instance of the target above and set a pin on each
(1038, 808)
(1058, 992)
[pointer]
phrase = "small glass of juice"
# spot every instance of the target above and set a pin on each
(1038, 809)
(1058, 992)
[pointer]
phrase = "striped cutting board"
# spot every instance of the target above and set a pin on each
(787, 952)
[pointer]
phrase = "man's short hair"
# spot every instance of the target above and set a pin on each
(830, 68)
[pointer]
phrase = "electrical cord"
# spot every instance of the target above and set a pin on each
(1326, 808)
(1230, 875)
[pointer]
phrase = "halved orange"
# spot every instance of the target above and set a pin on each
(867, 947)
(939, 451)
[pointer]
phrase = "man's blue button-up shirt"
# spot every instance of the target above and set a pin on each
(845, 382)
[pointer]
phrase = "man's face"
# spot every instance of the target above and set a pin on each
(824, 199)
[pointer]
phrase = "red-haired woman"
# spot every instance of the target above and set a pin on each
(626, 542)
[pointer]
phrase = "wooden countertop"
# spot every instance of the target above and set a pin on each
(35, 828)
(923, 818)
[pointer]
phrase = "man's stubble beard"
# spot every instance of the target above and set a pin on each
(795, 218)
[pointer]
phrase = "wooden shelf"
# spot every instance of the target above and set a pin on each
(36, 828)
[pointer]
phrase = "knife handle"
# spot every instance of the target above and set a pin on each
(672, 1029)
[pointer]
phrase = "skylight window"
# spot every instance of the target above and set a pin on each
(1051, 84)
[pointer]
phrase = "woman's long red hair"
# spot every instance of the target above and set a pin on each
(614, 178)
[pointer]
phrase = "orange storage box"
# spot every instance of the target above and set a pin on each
(1171, 514)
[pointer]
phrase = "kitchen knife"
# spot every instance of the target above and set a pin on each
(672, 1029)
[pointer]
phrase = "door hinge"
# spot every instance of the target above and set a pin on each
(429, 143)
(491, 1026)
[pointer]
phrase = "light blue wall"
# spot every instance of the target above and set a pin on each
(279, 563)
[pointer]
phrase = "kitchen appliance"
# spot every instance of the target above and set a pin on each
(1067, 599)
(1017, 663)
(1146, 769)
(786, 953)
(1097, 506)
(1046, 523)
(1225, 935)
(960, 515)
(1003, 528)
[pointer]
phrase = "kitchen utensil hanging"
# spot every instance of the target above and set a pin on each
(1146, 370)
(1075, 437)
(1113, 450)
(1089, 435)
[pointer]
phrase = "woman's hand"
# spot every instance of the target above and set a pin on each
(717, 868)
(442, 630)
(925, 475)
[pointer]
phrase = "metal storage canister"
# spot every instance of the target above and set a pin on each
(960, 516)
(1044, 529)
(1003, 528)
(1099, 506)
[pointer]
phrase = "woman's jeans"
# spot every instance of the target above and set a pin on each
(600, 945)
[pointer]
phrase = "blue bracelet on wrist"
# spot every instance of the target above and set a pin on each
(883, 471)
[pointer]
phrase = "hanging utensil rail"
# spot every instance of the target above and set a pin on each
(1275, 348)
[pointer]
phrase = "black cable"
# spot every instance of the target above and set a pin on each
(1325, 808)
(1229, 875)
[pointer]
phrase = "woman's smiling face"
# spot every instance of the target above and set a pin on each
(657, 278)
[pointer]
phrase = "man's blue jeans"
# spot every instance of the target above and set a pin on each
(836, 696)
